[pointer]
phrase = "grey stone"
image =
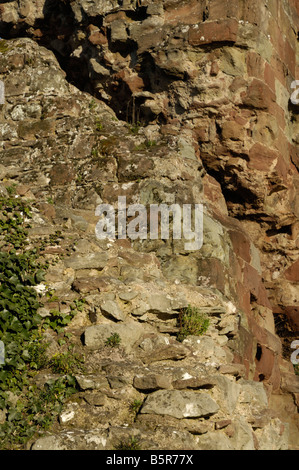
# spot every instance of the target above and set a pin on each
(180, 404)
(238, 370)
(274, 436)
(118, 31)
(242, 438)
(95, 399)
(194, 382)
(229, 393)
(127, 295)
(88, 261)
(73, 440)
(95, 336)
(253, 393)
(214, 441)
(151, 382)
(174, 352)
(91, 382)
(158, 303)
(113, 310)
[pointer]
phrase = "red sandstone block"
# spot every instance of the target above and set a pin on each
(97, 39)
(241, 245)
(220, 9)
(215, 271)
(279, 68)
(214, 31)
(258, 95)
(253, 281)
(261, 157)
(255, 65)
(279, 114)
(269, 76)
(294, 155)
(290, 58)
(293, 314)
(292, 273)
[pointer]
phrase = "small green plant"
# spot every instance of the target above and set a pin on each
(113, 340)
(146, 145)
(67, 362)
(11, 189)
(133, 443)
(34, 411)
(94, 152)
(3, 46)
(99, 125)
(192, 322)
(92, 104)
(135, 406)
(134, 128)
(296, 369)
(57, 321)
(78, 305)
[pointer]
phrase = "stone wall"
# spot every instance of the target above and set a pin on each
(175, 102)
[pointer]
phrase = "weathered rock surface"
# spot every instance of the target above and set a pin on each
(180, 404)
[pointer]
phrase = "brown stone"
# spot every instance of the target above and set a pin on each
(238, 370)
(261, 158)
(61, 174)
(195, 383)
(232, 130)
(269, 76)
(151, 382)
(47, 210)
(241, 245)
(120, 15)
(292, 273)
(293, 314)
(223, 423)
(214, 69)
(97, 39)
(133, 81)
(88, 284)
(255, 65)
(253, 281)
(258, 95)
(214, 31)
(215, 272)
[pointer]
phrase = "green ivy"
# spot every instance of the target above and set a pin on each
(26, 408)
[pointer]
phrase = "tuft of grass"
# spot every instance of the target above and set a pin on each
(67, 362)
(133, 443)
(113, 340)
(98, 125)
(146, 145)
(134, 128)
(3, 46)
(192, 322)
(135, 406)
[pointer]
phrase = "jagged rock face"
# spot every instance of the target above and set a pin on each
(202, 93)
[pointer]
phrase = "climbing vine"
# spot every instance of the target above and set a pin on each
(25, 409)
